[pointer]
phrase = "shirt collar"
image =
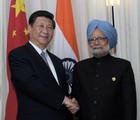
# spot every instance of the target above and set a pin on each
(37, 48)
(102, 59)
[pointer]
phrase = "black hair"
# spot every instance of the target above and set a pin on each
(41, 13)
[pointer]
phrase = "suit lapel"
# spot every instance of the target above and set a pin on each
(39, 62)
(46, 74)
(58, 70)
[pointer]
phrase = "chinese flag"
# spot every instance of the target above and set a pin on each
(17, 36)
(65, 43)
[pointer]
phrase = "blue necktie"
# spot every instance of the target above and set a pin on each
(44, 57)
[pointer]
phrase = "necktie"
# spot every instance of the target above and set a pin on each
(50, 66)
(44, 57)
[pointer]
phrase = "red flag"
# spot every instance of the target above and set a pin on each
(17, 36)
(65, 43)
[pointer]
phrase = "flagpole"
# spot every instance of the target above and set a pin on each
(113, 22)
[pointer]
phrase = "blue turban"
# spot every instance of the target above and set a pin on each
(108, 30)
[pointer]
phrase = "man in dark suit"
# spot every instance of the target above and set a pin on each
(104, 85)
(38, 75)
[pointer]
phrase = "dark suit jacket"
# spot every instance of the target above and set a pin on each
(105, 89)
(39, 96)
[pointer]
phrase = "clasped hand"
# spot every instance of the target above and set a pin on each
(71, 104)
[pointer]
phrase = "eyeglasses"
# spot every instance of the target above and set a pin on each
(100, 39)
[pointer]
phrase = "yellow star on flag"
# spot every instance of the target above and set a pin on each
(26, 31)
(19, 6)
(14, 33)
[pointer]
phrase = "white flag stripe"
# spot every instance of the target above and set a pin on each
(60, 46)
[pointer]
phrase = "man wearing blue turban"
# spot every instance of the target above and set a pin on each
(103, 85)
(108, 30)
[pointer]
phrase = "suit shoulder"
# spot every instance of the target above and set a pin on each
(17, 50)
(84, 61)
(121, 60)
(21, 51)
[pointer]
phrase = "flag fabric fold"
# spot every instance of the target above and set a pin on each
(17, 36)
(64, 44)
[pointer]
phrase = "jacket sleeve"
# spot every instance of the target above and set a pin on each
(129, 94)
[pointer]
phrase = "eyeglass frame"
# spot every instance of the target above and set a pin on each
(100, 39)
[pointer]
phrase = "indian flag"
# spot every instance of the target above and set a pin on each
(64, 44)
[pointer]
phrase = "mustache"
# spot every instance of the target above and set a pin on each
(97, 47)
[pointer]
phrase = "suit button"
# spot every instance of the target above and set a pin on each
(94, 117)
(95, 101)
(97, 75)
(98, 63)
(95, 88)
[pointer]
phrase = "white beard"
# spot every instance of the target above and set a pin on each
(100, 52)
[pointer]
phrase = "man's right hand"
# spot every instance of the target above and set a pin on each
(71, 104)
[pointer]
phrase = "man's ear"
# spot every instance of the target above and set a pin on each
(29, 28)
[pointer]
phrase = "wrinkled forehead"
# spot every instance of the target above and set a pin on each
(97, 32)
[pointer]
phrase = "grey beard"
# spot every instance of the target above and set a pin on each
(100, 53)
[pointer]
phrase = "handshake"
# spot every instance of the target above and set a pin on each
(71, 104)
